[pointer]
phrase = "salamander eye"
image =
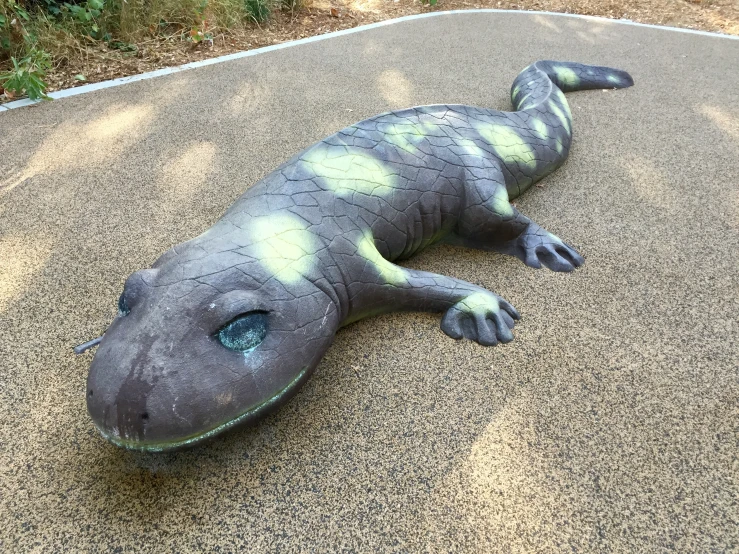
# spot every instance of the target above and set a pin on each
(123, 308)
(244, 333)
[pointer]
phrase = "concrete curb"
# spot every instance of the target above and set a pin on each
(238, 55)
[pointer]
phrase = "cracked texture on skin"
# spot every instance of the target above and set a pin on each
(312, 246)
(284, 246)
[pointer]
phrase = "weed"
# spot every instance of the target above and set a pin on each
(122, 46)
(26, 75)
(87, 15)
(201, 36)
(258, 10)
(71, 30)
(13, 33)
(19, 46)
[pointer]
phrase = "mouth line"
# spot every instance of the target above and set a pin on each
(200, 437)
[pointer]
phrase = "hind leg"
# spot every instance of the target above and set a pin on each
(490, 222)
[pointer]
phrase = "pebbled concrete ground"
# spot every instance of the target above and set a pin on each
(611, 423)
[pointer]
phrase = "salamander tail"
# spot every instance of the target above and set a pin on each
(533, 84)
(538, 96)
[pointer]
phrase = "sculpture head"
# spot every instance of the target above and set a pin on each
(204, 342)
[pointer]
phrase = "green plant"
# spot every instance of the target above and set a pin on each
(27, 74)
(4, 33)
(429, 2)
(13, 18)
(51, 7)
(120, 45)
(197, 36)
(88, 15)
(199, 32)
(258, 10)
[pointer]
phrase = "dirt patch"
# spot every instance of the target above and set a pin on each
(98, 62)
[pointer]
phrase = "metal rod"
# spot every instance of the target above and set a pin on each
(85, 346)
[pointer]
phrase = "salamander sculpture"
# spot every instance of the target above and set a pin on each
(227, 326)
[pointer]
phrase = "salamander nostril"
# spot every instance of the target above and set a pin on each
(89, 393)
(145, 417)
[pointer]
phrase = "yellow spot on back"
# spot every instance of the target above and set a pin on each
(507, 144)
(469, 147)
(346, 170)
(284, 246)
(402, 141)
(430, 129)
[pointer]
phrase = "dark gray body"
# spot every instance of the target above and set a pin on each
(227, 326)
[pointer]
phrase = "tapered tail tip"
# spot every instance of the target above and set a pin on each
(620, 79)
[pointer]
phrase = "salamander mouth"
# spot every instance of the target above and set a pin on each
(195, 439)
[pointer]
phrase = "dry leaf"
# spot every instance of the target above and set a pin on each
(334, 12)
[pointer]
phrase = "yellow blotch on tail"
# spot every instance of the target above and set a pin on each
(563, 114)
(540, 127)
(566, 76)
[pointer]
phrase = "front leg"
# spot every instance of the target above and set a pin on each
(472, 312)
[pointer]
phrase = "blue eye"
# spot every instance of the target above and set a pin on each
(244, 333)
(123, 308)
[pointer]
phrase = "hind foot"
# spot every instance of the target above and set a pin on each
(536, 247)
(483, 317)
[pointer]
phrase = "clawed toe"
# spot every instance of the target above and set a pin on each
(537, 248)
(509, 310)
(558, 257)
(483, 318)
(569, 254)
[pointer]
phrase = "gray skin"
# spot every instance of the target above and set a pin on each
(227, 326)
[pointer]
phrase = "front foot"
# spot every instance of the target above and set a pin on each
(483, 317)
(537, 247)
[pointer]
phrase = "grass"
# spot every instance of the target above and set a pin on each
(258, 10)
(60, 44)
(136, 20)
(34, 32)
